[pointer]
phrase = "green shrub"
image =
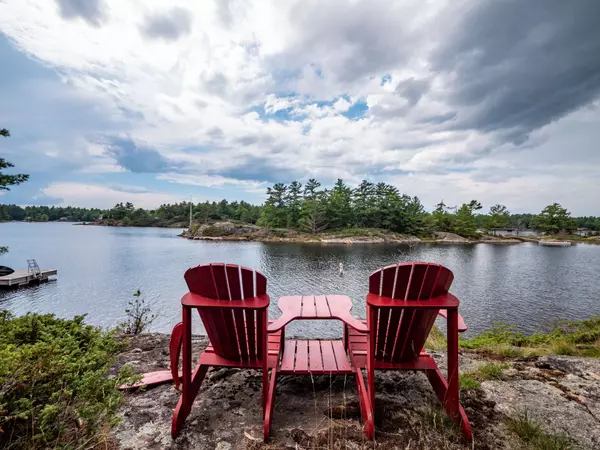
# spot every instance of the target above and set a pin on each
(54, 388)
(213, 231)
(139, 315)
(194, 228)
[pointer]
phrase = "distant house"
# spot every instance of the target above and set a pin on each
(510, 231)
(584, 232)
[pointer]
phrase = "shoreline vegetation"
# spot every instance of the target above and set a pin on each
(240, 232)
(59, 380)
(310, 209)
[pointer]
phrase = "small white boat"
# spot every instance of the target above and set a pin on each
(555, 243)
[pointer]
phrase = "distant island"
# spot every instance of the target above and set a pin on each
(370, 212)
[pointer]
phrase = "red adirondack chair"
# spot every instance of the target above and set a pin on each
(232, 302)
(402, 305)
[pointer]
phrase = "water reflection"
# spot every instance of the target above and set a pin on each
(99, 268)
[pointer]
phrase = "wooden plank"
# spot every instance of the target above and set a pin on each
(322, 306)
(261, 283)
(416, 281)
(251, 332)
(403, 334)
(233, 279)
(308, 307)
(443, 283)
(382, 326)
(389, 278)
(261, 329)
(212, 330)
(341, 359)
(218, 274)
(240, 326)
(315, 358)
(247, 282)
(402, 280)
(375, 282)
(329, 360)
(289, 356)
(421, 326)
(199, 280)
(392, 334)
(429, 280)
(301, 363)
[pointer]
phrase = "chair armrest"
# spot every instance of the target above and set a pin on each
(462, 326)
(441, 302)
(198, 301)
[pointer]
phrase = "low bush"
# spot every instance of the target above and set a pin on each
(212, 231)
(54, 386)
(139, 315)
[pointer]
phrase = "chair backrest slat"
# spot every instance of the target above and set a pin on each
(233, 278)
(247, 282)
(235, 333)
(400, 333)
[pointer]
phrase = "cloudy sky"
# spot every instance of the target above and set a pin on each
(153, 101)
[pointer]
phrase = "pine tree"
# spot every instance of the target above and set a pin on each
(312, 218)
(294, 204)
(9, 180)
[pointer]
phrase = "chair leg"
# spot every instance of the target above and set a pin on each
(440, 387)
(270, 404)
(366, 407)
(452, 395)
(184, 406)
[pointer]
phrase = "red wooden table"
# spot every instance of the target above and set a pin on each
(315, 356)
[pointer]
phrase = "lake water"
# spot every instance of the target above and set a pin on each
(100, 267)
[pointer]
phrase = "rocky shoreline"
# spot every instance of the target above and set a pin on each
(228, 231)
(561, 393)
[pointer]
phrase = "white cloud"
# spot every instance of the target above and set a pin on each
(192, 95)
(213, 181)
(98, 196)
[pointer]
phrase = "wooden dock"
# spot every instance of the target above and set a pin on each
(23, 277)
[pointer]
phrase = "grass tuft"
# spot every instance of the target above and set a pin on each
(436, 340)
(467, 382)
(530, 431)
(490, 371)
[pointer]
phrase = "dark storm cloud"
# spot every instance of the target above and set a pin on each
(412, 89)
(137, 159)
(169, 25)
(92, 11)
(439, 118)
(365, 35)
(520, 65)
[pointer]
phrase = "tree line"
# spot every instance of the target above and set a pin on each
(311, 208)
